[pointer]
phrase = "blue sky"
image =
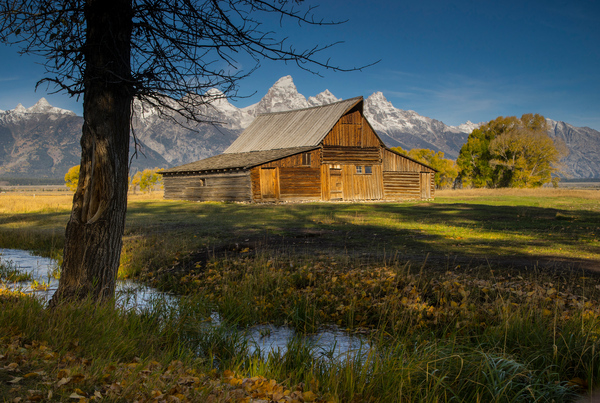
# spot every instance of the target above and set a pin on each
(451, 61)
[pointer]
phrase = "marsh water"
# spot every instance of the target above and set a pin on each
(132, 295)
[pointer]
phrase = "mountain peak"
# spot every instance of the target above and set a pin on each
(285, 81)
(282, 96)
(40, 106)
(323, 98)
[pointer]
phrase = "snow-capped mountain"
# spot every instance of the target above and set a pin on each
(408, 129)
(43, 141)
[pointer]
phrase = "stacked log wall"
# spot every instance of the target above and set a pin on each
(234, 186)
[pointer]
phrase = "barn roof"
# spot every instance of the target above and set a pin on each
(237, 160)
(297, 128)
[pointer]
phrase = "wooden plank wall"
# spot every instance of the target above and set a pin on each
(296, 181)
(368, 186)
(398, 163)
(350, 131)
(234, 186)
(296, 161)
(300, 183)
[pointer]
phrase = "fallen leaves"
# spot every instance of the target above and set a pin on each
(73, 379)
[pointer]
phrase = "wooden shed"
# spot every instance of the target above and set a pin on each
(328, 152)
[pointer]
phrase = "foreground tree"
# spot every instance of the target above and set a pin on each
(160, 52)
(511, 152)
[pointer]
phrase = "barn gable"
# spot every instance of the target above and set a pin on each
(329, 152)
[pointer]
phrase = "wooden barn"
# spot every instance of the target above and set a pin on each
(328, 152)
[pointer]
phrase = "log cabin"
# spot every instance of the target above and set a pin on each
(323, 153)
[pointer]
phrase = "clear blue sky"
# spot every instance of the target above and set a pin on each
(452, 61)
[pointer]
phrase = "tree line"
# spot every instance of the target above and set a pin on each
(505, 152)
(145, 181)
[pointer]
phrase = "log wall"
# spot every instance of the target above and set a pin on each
(227, 186)
(351, 155)
(402, 185)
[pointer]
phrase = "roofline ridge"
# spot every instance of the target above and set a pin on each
(358, 98)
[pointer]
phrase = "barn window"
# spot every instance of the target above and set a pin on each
(306, 159)
(366, 169)
(201, 182)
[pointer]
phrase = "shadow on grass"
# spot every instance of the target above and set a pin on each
(445, 234)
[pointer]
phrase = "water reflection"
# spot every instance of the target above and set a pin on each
(331, 342)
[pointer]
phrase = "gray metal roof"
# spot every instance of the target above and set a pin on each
(298, 128)
(237, 160)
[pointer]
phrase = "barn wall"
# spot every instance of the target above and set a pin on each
(402, 185)
(296, 161)
(406, 179)
(352, 131)
(351, 155)
(234, 186)
(295, 181)
(398, 163)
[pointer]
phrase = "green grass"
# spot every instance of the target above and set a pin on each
(486, 297)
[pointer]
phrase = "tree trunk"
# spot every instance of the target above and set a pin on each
(95, 228)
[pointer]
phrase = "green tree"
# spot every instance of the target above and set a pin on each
(447, 170)
(159, 52)
(510, 152)
(72, 178)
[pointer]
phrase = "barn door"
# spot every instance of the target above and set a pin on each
(269, 185)
(336, 186)
(425, 185)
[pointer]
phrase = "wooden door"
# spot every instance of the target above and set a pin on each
(336, 185)
(269, 184)
(425, 185)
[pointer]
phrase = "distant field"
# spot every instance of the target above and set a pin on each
(526, 227)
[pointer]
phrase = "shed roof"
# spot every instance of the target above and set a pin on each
(237, 160)
(297, 128)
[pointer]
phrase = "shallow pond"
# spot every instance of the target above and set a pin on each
(131, 295)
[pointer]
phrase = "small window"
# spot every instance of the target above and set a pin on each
(201, 182)
(306, 159)
(364, 170)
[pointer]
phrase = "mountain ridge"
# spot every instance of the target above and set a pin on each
(44, 140)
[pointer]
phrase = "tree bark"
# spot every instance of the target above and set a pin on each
(95, 228)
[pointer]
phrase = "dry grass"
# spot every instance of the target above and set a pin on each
(31, 202)
(539, 192)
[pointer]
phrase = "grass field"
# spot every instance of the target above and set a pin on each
(479, 295)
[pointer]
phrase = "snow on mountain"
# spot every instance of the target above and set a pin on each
(43, 140)
(282, 96)
(408, 129)
(323, 98)
(467, 127)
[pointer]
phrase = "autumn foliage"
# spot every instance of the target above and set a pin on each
(511, 152)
